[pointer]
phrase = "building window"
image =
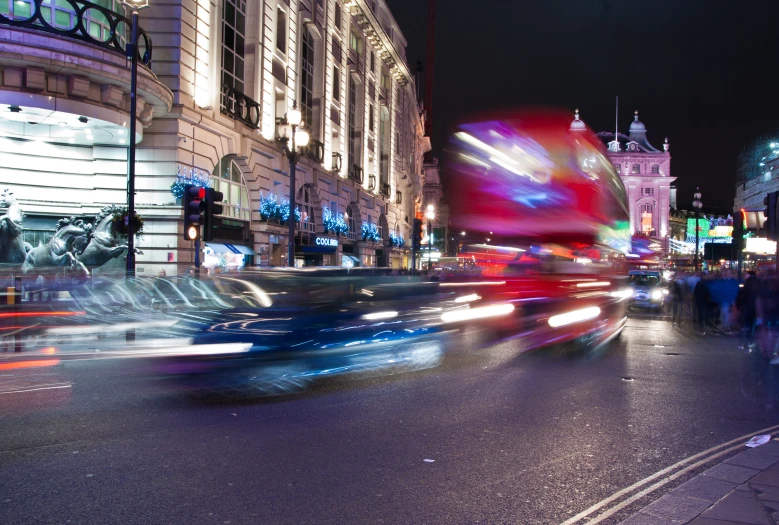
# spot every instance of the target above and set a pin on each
(338, 16)
(647, 211)
(373, 62)
(655, 168)
(228, 179)
(233, 38)
(306, 206)
(281, 31)
(336, 83)
(385, 81)
(384, 135)
(355, 42)
(351, 222)
(398, 149)
(619, 168)
(307, 78)
(636, 168)
(370, 118)
(352, 122)
(647, 192)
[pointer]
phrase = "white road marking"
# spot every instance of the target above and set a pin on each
(738, 442)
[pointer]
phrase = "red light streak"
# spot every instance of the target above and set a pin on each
(29, 364)
(39, 314)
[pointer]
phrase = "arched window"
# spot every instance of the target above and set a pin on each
(351, 222)
(646, 210)
(228, 179)
(307, 77)
(305, 204)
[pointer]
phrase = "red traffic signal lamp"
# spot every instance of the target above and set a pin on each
(194, 206)
(211, 223)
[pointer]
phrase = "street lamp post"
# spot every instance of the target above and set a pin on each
(697, 204)
(290, 130)
(132, 54)
(430, 216)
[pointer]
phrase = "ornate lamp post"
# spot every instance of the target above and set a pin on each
(132, 54)
(430, 216)
(290, 130)
(697, 204)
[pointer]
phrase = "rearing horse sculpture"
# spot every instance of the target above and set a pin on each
(69, 239)
(104, 244)
(12, 246)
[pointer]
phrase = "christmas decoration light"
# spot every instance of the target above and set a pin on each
(370, 232)
(334, 223)
(397, 240)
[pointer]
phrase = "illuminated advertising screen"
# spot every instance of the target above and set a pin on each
(710, 230)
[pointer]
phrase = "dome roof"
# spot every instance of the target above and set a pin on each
(637, 125)
(578, 125)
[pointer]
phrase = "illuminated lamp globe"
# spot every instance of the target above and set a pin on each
(294, 117)
(192, 233)
(301, 138)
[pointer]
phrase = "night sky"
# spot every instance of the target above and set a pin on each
(699, 71)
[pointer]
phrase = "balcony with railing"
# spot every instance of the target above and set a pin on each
(97, 24)
(239, 106)
(371, 182)
(385, 189)
(91, 40)
(398, 197)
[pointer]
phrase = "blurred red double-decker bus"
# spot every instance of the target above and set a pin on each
(546, 231)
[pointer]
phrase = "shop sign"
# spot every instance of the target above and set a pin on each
(760, 245)
(326, 241)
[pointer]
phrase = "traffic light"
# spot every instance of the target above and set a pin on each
(212, 209)
(416, 235)
(194, 206)
(738, 231)
(771, 226)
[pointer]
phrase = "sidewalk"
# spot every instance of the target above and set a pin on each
(742, 490)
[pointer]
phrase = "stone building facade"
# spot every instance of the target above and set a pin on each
(646, 173)
(221, 74)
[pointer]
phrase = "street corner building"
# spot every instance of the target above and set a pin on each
(646, 174)
(215, 80)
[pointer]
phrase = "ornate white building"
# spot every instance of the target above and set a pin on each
(646, 173)
(214, 79)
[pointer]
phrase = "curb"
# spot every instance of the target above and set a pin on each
(743, 489)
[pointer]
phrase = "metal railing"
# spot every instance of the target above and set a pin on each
(337, 162)
(372, 182)
(385, 189)
(399, 198)
(315, 150)
(242, 108)
(80, 20)
(356, 174)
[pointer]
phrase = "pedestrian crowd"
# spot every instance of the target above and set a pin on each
(719, 301)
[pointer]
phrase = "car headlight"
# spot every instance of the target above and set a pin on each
(657, 295)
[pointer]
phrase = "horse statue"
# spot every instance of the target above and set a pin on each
(69, 239)
(13, 249)
(104, 243)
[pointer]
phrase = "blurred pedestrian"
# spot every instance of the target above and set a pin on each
(677, 299)
(701, 298)
(750, 296)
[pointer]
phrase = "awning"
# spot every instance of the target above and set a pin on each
(236, 249)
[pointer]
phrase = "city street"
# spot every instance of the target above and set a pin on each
(491, 436)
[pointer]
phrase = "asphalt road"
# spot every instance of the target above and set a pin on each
(514, 438)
